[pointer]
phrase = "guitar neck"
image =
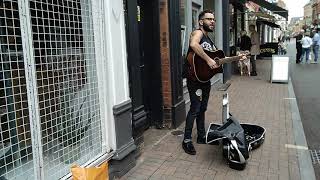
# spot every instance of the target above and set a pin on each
(229, 59)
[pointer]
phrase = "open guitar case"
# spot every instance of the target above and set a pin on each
(237, 139)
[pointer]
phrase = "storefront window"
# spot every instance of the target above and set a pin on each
(209, 4)
(57, 123)
(239, 27)
(182, 12)
(232, 25)
(195, 13)
(183, 26)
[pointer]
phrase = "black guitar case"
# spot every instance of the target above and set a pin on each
(237, 140)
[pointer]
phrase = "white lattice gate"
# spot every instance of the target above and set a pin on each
(49, 105)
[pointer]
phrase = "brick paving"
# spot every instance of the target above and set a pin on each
(252, 100)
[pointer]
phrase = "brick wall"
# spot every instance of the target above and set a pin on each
(165, 61)
(316, 10)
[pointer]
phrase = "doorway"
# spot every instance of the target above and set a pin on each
(144, 62)
(148, 27)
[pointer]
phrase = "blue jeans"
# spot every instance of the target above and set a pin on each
(198, 108)
(281, 51)
(306, 52)
(316, 52)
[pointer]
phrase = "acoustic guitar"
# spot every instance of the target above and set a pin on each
(202, 71)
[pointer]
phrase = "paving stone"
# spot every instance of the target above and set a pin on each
(136, 176)
(252, 100)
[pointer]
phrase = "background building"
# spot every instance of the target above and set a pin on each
(307, 14)
(82, 81)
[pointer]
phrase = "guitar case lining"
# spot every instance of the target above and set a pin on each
(238, 139)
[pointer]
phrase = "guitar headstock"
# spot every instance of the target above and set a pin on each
(243, 55)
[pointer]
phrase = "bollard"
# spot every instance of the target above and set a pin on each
(225, 108)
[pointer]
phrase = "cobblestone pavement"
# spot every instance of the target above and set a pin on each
(252, 100)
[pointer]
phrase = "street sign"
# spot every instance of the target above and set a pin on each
(279, 69)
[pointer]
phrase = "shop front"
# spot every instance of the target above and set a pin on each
(267, 23)
(264, 16)
(56, 88)
(268, 46)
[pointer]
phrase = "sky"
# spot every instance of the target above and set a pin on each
(295, 7)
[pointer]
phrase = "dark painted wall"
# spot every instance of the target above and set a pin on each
(227, 68)
(178, 105)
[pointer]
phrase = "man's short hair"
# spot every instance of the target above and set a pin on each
(201, 15)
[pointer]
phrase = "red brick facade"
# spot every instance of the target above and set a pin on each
(165, 61)
(165, 53)
(315, 11)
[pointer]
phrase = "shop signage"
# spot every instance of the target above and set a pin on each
(279, 69)
(268, 49)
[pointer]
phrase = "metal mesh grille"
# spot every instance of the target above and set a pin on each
(66, 88)
(15, 135)
(315, 156)
(63, 38)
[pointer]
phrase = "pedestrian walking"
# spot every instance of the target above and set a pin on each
(299, 45)
(255, 48)
(282, 47)
(306, 43)
(315, 44)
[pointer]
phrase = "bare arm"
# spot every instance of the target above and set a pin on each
(195, 38)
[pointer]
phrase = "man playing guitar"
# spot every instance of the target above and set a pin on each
(198, 91)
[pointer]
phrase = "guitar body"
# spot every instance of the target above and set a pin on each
(199, 67)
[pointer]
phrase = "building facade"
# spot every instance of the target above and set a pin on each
(64, 87)
(307, 14)
(315, 10)
(81, 81)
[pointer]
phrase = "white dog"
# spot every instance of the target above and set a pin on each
(245, 66)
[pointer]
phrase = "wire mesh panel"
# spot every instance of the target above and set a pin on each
(67, 85)
(16, 158)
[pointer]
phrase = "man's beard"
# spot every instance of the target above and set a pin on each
(207, 28)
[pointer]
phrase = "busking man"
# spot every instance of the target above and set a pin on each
(199, 91)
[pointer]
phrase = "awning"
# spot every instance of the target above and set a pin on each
(272, 7)
(265, 16)
(269, 23)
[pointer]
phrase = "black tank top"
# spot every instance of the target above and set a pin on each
(206, 43)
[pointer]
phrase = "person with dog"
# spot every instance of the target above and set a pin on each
(245, 41)
(198, 91)
(255, 48)
(245, 46)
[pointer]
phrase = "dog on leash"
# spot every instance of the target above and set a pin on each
(244, 66)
